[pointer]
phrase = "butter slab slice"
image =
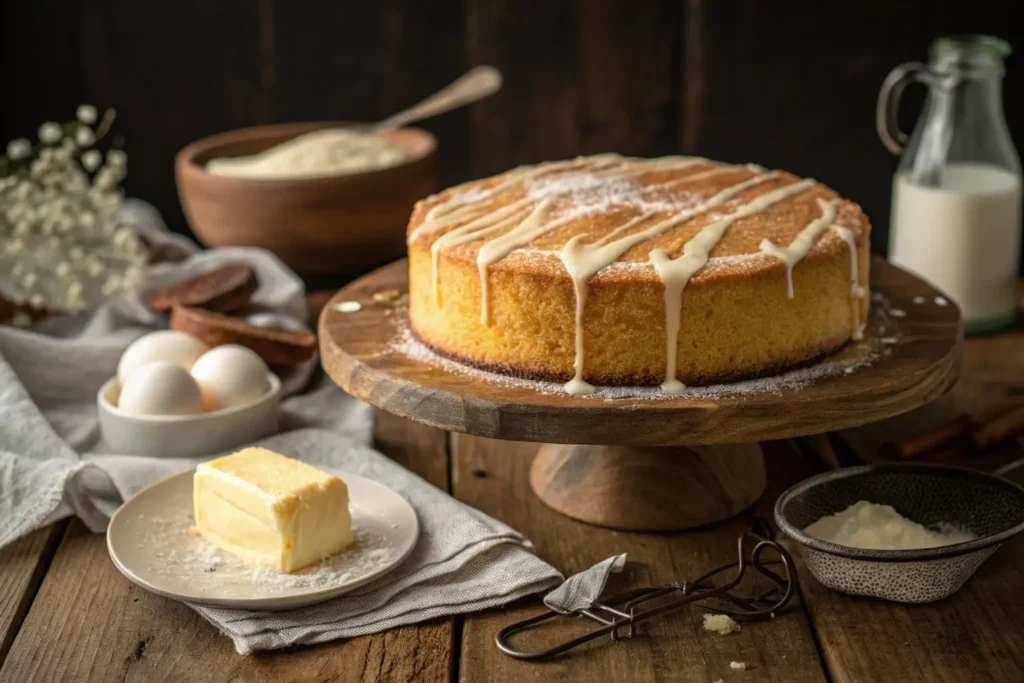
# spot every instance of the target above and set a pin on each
(270, 510)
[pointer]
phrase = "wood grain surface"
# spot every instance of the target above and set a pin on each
(22, 567)
(737, 80)
(491, 475)
(360, 351)
(649, 489)
(571, 79)
(89, 623)
(975, 635)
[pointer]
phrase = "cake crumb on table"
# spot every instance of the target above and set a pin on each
(722, 624)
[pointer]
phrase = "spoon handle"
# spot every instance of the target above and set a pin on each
(474, 85)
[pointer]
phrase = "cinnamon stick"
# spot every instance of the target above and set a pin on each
(999, 429)
(943, 437)
(962, 434)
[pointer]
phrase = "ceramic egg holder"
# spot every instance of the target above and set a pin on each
(659, 463)
(152, 414)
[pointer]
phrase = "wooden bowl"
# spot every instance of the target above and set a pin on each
(340, 225)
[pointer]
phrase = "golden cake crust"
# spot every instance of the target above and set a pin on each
(736, 320)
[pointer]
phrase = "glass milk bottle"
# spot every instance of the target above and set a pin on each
(956, 198)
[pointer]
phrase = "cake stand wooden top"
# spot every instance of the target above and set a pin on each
(370, 355)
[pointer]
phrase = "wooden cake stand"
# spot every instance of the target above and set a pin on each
(656, 462)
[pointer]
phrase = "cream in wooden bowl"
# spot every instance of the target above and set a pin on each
(330, 204)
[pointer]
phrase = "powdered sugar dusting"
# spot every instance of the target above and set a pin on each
(175, 553)
(854, 356)
(152, 538)
(591, 193)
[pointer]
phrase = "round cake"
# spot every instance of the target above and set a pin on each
(613, 270)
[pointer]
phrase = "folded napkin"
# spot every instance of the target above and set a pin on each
(50, 374)
(464, 561)
(53, 462)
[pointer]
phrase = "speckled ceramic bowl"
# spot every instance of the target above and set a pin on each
(987, 505)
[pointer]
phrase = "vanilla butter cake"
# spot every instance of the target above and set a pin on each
(615, 270)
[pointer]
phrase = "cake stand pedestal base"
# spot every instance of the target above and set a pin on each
(663, 488)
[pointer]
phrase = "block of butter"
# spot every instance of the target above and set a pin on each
(270, 510)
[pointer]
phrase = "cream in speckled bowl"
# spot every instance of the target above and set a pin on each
(988, 506)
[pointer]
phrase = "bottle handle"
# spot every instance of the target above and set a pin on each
(888, 108)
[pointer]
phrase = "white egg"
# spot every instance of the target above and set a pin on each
(160, 388)
(231, 375)
(167, 345)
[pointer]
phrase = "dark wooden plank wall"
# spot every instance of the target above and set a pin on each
(785, 84)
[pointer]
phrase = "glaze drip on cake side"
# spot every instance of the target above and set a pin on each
(533, 208)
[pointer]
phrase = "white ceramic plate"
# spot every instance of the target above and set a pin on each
(149, 542)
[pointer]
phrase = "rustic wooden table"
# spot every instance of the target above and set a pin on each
(66, 614)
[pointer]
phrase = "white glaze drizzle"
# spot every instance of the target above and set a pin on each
(676, 273)
(480, 227)
(452, 211)
(583, 261)
(856, 291)
(803, 242)
(529, 229)
(659, 164)
(525, 221)
(703, 175)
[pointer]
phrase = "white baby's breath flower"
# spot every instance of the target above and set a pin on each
(19, 149)
(106, 178)
(112, 285)
(92, 159)
(75, 297)
(86, 113)
(124, 236)
(50, 132)
(116, 157)
(61, 155)
(66, 247)
(85, 137)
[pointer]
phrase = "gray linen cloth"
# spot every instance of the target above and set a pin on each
(53, 462)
